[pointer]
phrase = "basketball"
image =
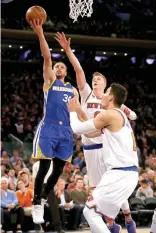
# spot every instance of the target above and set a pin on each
(36, 12)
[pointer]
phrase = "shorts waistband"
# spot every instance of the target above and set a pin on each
(132, 168)
(93, 146)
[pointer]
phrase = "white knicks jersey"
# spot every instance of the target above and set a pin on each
(119, 148)
(91, 105)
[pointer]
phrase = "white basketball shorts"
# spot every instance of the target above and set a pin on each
(95, 165)
(114, 189)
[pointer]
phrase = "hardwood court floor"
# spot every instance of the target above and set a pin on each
(142, 230)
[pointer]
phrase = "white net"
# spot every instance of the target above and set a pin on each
(80, 8)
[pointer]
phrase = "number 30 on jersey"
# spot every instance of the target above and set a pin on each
(66, 98)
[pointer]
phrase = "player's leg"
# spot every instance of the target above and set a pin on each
(38, 209)
(94, 165)
(153, 226)
(43, 168)
(95, 221)
(58, 166)
(95, 170)
(110, 194)
(62, 152)
(44, 163)
(129, 222)
(43, 151)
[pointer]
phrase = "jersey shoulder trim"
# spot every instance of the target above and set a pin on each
(66, 83)
(46, 89)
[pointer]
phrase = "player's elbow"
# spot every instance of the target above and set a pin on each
(132, 116)
(78, 70)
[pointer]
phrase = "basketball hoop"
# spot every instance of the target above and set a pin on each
(80, 8)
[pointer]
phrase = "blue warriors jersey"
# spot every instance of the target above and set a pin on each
(54, 136)
(55, 101)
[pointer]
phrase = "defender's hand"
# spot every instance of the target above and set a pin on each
(61, 38)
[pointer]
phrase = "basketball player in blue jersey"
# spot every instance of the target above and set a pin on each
(53, 138)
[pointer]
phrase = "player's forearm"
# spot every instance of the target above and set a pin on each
(79, 127)
(82, 115)
(44, 46)
(74, 61)
(129, 113)
(97, 133)
(80, 76)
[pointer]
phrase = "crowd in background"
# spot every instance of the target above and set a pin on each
(22, 105)
(115, 28)
(121, 19)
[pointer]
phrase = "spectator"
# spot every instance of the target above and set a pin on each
(79, 197)
(24, 195)
(15, 158)
(153, 153)
(77, 149)
(19, 128)
(66, 205)
(12, 186)
(25, 178)
(20, 163)
(11, 176)
(151, 175)
(145, 190)
(27, 171)
(5, 160)
(3, 170)
(17, 168)
(71, 186)
(79, 160)
(9, 203)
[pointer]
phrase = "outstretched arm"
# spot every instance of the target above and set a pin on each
(48, 73)
(65, 44)
(129, 113)
(81, 115)
(78, 127)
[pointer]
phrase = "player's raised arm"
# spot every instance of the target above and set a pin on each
(65, 44)
(47, 67)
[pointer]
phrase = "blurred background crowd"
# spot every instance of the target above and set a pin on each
(122, 19)
(22, 109)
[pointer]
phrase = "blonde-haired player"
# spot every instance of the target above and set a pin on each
(119, 156)
(91, 103)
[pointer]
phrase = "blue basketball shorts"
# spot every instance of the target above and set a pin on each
(53, 140)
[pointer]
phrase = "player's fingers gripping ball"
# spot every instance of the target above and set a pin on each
(36, 13)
